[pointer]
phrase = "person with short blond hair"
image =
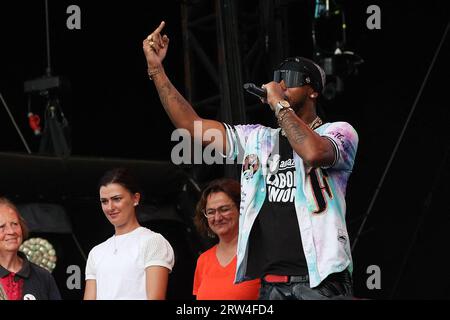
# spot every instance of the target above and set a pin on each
(20, 279)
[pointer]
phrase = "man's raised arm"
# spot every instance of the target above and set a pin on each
(177, 107)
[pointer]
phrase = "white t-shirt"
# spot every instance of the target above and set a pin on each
(118, 264)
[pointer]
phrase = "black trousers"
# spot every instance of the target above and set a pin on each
(337, 286)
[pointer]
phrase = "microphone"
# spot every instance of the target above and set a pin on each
(257, 91)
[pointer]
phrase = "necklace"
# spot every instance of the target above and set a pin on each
(317, 122)
(115, 245)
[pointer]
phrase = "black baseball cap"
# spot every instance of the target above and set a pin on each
(299, 71)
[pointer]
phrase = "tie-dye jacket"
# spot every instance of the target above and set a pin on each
(322, 224)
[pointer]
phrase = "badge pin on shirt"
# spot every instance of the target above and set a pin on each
(274, 163)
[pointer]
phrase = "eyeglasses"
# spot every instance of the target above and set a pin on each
(291, 78)
(224, 211)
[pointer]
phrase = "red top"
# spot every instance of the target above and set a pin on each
(215, 282)
(12, 288)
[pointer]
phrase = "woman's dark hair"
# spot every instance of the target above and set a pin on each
(230, 187)
(120, 176)
(7, 203)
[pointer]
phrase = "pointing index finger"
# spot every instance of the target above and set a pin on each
(160, 27)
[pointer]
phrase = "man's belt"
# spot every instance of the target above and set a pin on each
(275, 278)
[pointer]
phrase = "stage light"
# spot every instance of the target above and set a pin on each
(329, 34)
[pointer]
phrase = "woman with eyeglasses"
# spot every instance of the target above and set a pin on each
(217, 216)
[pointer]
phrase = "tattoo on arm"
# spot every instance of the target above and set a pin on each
(292, 128)
(168, 93)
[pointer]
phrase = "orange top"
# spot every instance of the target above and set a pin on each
(215, 282)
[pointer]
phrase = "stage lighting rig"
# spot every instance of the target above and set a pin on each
(330, 52)
(56, 133)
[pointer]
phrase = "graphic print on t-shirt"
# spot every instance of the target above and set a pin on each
(275, 243)
(281, 183)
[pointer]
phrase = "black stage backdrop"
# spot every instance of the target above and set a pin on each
(114, 113)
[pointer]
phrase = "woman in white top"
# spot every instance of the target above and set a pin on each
(133, 264)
